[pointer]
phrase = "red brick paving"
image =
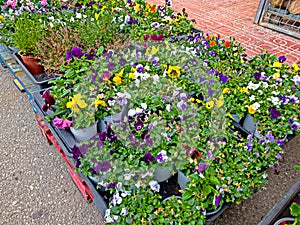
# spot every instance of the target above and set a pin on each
(234, 18)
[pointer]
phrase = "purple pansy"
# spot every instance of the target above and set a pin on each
(138, 125)
(281, 59)
(274, 113)
(77, 52)
(217, 200)
(148, 157)
(257, 75)
(103, 166)
(201, 167)
(223, 79)
(295, 126)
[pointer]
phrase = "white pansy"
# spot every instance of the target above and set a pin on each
(147, 68)
(265, 84)
(260, 92)
(168, 108)
(124, 212)
(155, 78)
(107, 217)
(115, 217)
(84, 16)
(252, 98)
(51, 18)
(122, 26)
(139, 110)
(274, 100)
(252, 86)
(144, 105)
(78, 16)
(275, 92)
(131, 112)
(72, 19)
(256, 105)
(145, 76)
(154, 185)
(51, 25)
(127, 19)
(111, 102)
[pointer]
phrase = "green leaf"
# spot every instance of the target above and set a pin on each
(206, 190)
(100, 50)
(297, 167)
(186, 195)
(214, 180)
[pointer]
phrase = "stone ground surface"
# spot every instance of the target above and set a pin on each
(234, 18)
(35, 185)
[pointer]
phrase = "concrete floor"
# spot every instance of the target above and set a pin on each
(35, 185)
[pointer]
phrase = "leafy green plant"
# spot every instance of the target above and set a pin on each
(295, 211)
(28, 31)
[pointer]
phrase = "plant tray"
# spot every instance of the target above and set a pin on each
(281, 208)
(40, 79)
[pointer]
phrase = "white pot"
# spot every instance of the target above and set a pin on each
(287, 219)
(162, 174)
(182, 180)
(84, 134)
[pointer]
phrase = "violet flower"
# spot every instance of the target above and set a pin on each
(274, 113)
(103, 166)
(62, 123)
(217, 200)
(77, 52)
(201, 167)
(138, 125)
(223, 79)
(295, 126)
(281, 59)
(257, 75)
(148, 157)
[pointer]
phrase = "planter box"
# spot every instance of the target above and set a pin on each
(43, 81)
(281, 208)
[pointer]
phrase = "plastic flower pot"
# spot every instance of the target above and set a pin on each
(32, 64)
(84, 134)
(96, 179)
(211, 213)
(161, 174)
(284, 220)
(113, 118)
(182, 180)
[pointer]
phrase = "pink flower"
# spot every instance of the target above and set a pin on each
(62, 123)
(44, 2)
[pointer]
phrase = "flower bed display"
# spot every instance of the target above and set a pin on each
(170, 102)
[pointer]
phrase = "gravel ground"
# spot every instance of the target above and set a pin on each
(35, 185)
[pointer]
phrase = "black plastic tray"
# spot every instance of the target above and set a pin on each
(19, 61)
(281, 204)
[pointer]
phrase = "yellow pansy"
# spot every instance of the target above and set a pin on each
(191, 100)
(151, 51)
(120, 73)
(131, 75)
(296, 68)
(91, 88)
(277, 64)
(251, 110)
(235, 54)
(219, 103)
(117, 79)
(1, 17)
(276, 75)
(174, 71)
(76, 102)
(97, 16)
(240, 144)
(103, 8)
(99, 102)
(198, 101)
(225, 90)
(229, 115)
(137, 7)
(243, 89)
(210, 104)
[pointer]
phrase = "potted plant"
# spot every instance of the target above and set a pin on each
(28, 31)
